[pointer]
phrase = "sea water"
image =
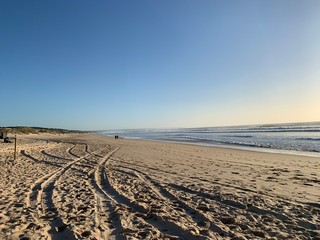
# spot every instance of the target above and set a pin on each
(298, 137)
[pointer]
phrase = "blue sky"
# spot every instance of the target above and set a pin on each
(157, 64)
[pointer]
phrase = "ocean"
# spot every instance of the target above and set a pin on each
(303, 138)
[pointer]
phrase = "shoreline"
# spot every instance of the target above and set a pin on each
(229, 146)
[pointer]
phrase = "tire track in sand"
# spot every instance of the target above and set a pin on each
(39, 200)
(170, 200)
(167, 228)
(104, 204)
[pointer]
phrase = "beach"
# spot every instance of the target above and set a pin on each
(86, 186)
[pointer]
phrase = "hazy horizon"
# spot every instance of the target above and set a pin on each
(142, 64)
(166, 128)
(222, 126)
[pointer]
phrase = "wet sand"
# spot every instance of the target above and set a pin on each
(94, 187)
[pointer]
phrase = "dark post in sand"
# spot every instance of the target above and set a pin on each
(15, 147)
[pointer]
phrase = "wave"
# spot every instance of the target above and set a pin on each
(237, 136)
(256, 130)
(308, 139)
(267, 145)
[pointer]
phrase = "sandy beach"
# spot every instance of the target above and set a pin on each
(85, 186)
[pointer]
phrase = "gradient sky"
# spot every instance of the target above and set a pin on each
(157, 64)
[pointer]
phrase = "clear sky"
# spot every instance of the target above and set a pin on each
(148, 64)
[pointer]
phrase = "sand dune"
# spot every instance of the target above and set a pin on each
(94, 187)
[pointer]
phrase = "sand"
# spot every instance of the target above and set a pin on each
(93, 187)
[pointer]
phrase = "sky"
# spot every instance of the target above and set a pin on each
(98, 65)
